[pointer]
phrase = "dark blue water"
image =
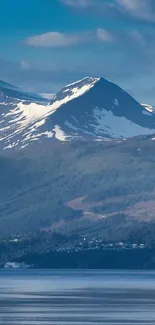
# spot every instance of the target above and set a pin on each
(76, 297)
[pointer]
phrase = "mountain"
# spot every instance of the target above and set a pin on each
(92, 108)
(94, 189)
(100, 109)
(19, 112)
(10, 91)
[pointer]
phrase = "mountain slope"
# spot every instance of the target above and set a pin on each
(20, 114)
(103, 110)
(80, 187)
(90, 108)
(7, 90)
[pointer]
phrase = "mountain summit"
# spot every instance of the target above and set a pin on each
(89, 108)
(98, 108)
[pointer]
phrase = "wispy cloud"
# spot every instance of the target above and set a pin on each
(136, 36)
(57, 39)
(139, 9)
(104, 36)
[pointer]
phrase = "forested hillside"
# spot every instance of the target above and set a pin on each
(97, 188)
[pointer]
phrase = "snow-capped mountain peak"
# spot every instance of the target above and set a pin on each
(89, 108)
(86, 80)
(73, 91)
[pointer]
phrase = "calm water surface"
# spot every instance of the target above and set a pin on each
(31, 297)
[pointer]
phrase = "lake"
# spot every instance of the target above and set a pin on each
(29, 297)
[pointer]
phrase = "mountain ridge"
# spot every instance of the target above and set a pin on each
(89, 108)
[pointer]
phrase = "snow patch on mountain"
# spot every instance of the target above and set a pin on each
(75, 130)
(47, 96)
(23, 113)
(115, 126)
(23, 121)
(88, 80)
(149, 108)
(116, 102)
(72, 91)
(59, 134)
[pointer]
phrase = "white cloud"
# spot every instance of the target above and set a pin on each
(52, 39)
(142, 9)
(139, 9)
(57, 39)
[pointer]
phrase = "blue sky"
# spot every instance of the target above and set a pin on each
(46, 44)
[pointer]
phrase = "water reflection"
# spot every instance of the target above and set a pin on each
(76, 297)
